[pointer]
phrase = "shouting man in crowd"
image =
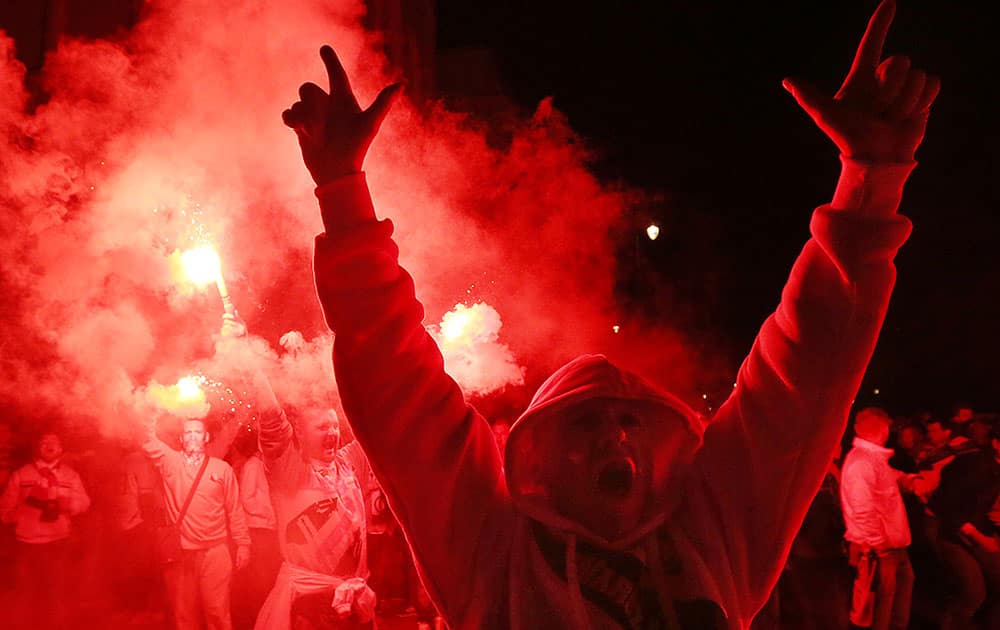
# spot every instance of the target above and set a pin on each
(616, 506)
(317, 497)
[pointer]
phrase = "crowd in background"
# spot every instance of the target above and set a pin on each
(97, 504)
(79, 547)
(942, 545)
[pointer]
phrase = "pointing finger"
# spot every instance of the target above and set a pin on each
(339, 83)
(870, 49)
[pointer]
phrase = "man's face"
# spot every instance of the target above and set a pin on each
(602, 472)
(937, 435)
(319, 434)
(194, 437)
(908, 438)
(49, 448)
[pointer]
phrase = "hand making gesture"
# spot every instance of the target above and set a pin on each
(880, 113)
(334, 132)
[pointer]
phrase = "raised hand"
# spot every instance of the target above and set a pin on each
(233, 326)
(334, 132)
(880, 112)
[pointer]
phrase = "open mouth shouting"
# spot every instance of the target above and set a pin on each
(616, 477)
(330, 443)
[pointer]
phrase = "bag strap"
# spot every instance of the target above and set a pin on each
(194, 486)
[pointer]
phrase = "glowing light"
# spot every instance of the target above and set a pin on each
(185, 398)
(616, 328)
(653, 231)
(704, 396)
(459, 323)
(187, 388)
(877, 391)
(473, 354)
(202, 265)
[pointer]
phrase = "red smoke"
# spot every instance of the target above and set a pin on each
(172, 134)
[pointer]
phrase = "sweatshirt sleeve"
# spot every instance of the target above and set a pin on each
(434, 455)
(766, 452)
(157, 451)
(234, 510)
(277, 446)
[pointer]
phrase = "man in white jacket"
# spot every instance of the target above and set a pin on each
(40, 499)
(877, 529)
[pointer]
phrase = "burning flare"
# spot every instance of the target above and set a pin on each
(469, 340)
(202, 265)
(186, 398)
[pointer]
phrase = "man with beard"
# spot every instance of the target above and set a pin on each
(40, 499)
(198, 580)
(615, 506)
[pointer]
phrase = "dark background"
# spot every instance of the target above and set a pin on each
(684, 99)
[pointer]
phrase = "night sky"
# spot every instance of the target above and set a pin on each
(684, 98)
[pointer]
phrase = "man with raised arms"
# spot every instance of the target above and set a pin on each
(617, 505)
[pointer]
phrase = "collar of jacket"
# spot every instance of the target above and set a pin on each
(872, 447)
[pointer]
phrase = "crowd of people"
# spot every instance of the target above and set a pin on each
(903, 532)
(260, 526)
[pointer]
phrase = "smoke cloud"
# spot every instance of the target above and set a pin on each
(170, 137)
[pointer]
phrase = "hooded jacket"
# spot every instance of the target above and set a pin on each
(713, 540)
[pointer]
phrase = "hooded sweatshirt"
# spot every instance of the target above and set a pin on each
(717, 528)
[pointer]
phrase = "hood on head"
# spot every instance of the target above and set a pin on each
(592, 377)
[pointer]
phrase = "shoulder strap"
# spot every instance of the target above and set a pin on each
(194, 486)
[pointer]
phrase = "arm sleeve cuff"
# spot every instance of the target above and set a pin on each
(870, 188)
(345, 202)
